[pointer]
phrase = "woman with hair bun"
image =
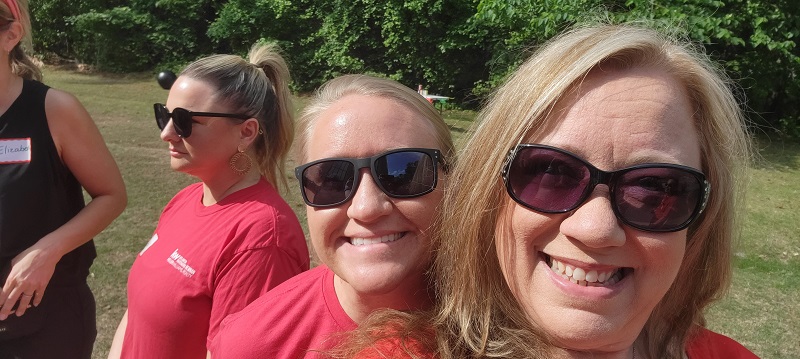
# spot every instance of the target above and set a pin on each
(223, 242)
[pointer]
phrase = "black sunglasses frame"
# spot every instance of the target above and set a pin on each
(182, 118)
(608, 178)
(359, 163)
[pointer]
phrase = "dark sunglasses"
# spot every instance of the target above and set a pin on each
(401, 173)
(182, 118)
(655, 197)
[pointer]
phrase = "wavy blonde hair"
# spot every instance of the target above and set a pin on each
(259, 88)
(21, 64)
(478, 316)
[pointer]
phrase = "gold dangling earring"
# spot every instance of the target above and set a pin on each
(246, 166)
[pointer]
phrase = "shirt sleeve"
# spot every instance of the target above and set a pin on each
(248, 275)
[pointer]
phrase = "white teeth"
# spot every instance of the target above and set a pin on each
(579, 274)
(367, 241)
(591, 276)
(601, 277)
(581, 277)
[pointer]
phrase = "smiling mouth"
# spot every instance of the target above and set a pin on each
(383, 239)
(587, 278)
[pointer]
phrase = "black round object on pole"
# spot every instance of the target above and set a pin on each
(166, 79)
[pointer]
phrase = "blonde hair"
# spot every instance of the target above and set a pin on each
(478, 315)
(329, 93)
(258, 88)
(21, 64)
(366, 85)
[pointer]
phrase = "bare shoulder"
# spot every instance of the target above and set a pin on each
(61, 103)
(69, 121)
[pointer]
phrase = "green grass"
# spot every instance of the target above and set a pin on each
(761, 310)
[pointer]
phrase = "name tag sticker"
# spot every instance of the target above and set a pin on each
(15, 150)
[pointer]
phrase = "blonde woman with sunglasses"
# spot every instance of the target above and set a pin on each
(375, 156)
(223, 242)
(591, 214)
(50, 151)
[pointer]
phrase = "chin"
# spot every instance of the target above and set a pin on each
(588, 332)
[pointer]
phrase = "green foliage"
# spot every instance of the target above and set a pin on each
(113, 40)
(512, 27)
(242, 23)
(460, 48)
(755, 41)
(51, 31)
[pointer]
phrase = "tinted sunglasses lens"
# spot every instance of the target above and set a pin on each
(406, 173)
(162, 115)
(547, 180)
(328, 183)
(182, 121)
(659, 198)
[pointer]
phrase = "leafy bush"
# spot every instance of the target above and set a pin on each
(460, 48)
(114, 40)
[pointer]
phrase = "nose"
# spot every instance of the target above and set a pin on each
(594, 223)
(369, 203)
(168, 133)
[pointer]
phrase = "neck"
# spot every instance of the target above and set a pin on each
(359, 305)
(215, 189)
(627, 353)
(10, 88)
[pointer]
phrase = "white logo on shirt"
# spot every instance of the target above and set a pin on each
(180, 263)
(15, 150)
(149, 243)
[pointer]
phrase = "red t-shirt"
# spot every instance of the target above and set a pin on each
(205, 262)
(706, 345)
(297, 319)
(710, 345)
(395, 349)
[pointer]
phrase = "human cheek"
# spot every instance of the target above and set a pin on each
(663, 255)
(325, 226)
(530, 230)
(521, 234)
(422, 211)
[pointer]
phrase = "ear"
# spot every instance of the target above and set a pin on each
(12, 36)
(248, 132)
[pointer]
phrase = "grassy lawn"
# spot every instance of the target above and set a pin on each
(760, 311)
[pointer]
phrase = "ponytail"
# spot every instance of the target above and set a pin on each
(278, 125)
(260, 89)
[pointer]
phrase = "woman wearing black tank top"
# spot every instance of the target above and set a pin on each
(50, 149)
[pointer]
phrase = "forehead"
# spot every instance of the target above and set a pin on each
(624, 117)
(192, 94)
(362, 126)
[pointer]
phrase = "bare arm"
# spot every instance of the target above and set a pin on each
(116, 346)
(83, 151)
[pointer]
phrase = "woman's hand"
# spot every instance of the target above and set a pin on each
(31, 270)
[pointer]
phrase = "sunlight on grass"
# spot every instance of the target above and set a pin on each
(761, 310)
